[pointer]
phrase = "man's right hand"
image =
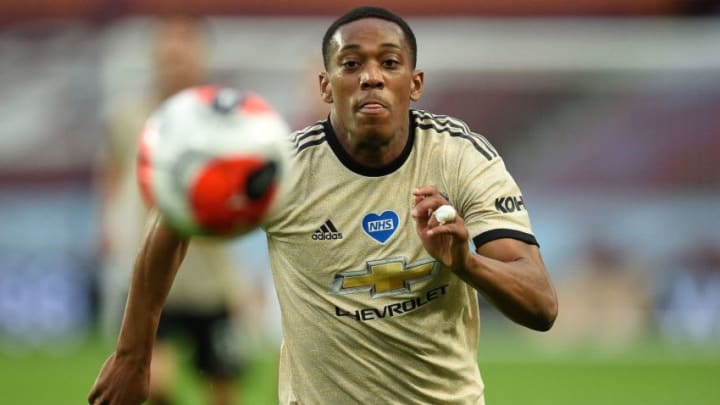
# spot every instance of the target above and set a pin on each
(125, 377)
(122, 381)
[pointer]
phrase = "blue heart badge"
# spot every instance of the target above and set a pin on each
(380, 227)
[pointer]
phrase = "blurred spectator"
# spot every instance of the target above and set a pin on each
(689, 305)
(203, 305)
(605, 300)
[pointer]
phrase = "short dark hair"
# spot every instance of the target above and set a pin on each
(360, 13)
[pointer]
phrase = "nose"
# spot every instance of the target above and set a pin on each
(372, 77)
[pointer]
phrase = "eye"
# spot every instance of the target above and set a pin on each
(391, 63)
(350, 64)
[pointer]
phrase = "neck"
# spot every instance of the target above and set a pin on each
(165, 92)
(372, 148)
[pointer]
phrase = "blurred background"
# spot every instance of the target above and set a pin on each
(607, 113)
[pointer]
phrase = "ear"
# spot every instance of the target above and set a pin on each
(417, 84)
(325, 90)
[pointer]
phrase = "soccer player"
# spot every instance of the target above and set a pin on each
(202, 308)
(378, 299)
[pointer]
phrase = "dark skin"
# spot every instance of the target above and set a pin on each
(507, 272)
(369, 83)
(125, 376)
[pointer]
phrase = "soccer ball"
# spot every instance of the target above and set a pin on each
(212, 160)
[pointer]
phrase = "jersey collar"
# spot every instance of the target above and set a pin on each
(363, 170)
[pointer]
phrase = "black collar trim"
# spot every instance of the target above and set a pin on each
(363, 170)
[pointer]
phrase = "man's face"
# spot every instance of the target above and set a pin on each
(370, 81)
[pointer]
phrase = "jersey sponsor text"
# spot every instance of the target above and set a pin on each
(391, 310)
(507, 205)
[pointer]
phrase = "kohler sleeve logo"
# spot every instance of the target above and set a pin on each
(509, 204)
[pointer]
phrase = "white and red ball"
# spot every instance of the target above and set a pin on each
(213, 159)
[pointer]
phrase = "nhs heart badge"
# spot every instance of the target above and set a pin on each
(380, 227)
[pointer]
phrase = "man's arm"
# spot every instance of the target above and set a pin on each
(507, 272)
(124, 378)
(512, 276)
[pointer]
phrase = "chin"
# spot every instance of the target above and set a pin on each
(373, 136)
(384, 120)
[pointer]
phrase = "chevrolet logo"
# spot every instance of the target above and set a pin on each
(385, 277)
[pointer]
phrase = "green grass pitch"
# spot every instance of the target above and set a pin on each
(650, 373)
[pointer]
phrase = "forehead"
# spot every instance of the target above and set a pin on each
(369, 32)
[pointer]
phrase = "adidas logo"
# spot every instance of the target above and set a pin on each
(327, 232)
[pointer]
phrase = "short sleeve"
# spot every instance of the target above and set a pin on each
(490, 200)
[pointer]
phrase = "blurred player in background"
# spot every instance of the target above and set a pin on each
(607, 298)
(202, 306)
(379, 300)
